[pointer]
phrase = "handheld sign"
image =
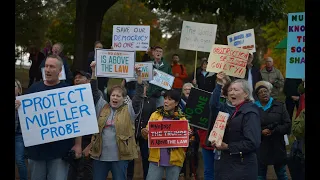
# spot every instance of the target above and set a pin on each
(219, 127)
(295, 64)
(116, 64)
(62, 74)
(146, 72)
(229, 59)
(162, 79)
(243, 39)
(197, 36)
(167, 134)
(197, 108)
(57, 114)
(131, 38)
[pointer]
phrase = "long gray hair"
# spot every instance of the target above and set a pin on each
(246, 88)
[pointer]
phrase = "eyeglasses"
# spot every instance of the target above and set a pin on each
(263, 91)
(186, 89)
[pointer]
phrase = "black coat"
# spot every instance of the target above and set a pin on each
(243, 136)
(273, 149)
(148, 106)
(207, 82)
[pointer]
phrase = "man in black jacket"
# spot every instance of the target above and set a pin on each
(252, 74)
(290, 89)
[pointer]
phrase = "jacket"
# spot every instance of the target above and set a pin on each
(215, 106)
(298, 128)
(206, 82)
(256, 77)
(148, 106)
(291, 87)
(243, 136)
(276, 119)
(127, 148)
(177, 155)
(179, 80)
(277, 78)
(154, 90)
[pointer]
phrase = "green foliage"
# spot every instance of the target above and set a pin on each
(62, 27)
(130, 12)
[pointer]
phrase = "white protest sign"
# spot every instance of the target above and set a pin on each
(57, 114)
(243, 39)
(131, 38)
(219, 127)
(197, 36)
(113, 63)
(162, 79)
(146, 72)
(62, 74)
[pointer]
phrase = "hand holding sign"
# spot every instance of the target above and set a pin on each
(17, 104)
(93, 66)
(144, 133)
(223, 146)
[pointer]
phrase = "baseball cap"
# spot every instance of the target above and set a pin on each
(82, 73)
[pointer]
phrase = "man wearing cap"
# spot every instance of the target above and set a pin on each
(274, 76)
(81, 169)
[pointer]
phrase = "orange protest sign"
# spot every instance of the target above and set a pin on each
(219, 127)
(229, 59)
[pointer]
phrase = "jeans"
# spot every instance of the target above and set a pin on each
(156, 172)
(56, 169)
(81, 170)
(20, 159)
(280, 170)
(144, 150)
(208, 160)
(102, 168)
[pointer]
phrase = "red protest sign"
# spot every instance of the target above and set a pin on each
(168, 134)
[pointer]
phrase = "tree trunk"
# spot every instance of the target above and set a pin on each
(89, 16)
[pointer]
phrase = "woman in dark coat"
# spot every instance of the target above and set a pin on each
(242, 137)
(275, 123)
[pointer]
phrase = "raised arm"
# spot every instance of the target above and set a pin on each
(135, 106)
(94, 84)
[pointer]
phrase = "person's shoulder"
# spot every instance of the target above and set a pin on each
(63, 84)
(249, 107)
(35, 87)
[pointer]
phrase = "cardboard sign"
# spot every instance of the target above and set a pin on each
(57, 114)
(116, 64)
(162, 79)
(131, 38)
(243, 39)
(197, 108)
(168, 134)
(62, 74)
(146, 72)
(229, 59)
(197, 36)
(295, 64)
(219, 127)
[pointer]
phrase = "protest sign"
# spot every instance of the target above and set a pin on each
(229, 59)
(113, 63)
(57, 114)
(146, 72)
(162, 79)
(62, 74)
(197, 36)
(243, 39)
(131, 38)
(168, 134)
(197, 108)
(219, 127)
(295, 64)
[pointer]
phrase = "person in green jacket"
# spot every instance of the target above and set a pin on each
(160, 64)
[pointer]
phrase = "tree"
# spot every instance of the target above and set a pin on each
(31, 20)
(276, 31)
(89, 16)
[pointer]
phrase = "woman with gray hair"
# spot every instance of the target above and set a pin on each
(275, 123)
(242, 136)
